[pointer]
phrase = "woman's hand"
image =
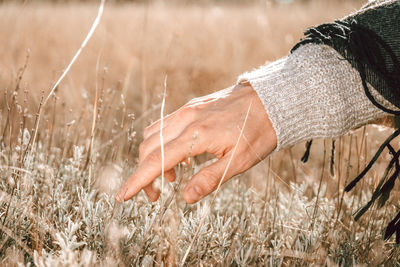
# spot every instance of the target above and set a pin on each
(208, 124)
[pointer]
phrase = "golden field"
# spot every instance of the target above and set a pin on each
(56, 194)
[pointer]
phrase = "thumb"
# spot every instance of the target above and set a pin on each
(207, 180)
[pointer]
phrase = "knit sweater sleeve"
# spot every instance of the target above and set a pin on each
(312, 93)
(335, 79)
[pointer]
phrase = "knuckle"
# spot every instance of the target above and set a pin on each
(197, 126)
(203, 127)
(210, 178)
(189, 135)
(153, 157)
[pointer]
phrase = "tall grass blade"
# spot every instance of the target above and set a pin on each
(218, 187)
(84, 43)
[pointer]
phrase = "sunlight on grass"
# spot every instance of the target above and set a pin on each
(57, 203)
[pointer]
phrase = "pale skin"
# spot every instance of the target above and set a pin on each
(209, 124)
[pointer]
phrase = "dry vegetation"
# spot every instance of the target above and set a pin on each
(57, 205)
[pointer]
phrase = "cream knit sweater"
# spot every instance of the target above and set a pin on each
(313, 93)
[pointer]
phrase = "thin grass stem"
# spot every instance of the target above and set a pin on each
(218, 187)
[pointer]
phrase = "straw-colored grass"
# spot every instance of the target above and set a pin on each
(56, 203)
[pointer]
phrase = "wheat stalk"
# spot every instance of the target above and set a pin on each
(161, 135)
(84, 43)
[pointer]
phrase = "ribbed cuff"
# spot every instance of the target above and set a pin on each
(312, 93)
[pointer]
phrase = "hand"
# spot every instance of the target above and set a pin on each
(208, 124)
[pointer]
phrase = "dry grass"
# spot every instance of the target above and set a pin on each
(57, 207)
(200, 48)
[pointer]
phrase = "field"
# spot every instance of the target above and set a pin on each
(57, 184)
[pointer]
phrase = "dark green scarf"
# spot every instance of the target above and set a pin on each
(370, 41)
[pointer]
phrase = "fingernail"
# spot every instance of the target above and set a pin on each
(194, 192)
(117, 198)
(121, 195)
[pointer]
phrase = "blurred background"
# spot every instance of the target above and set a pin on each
(56, 191)
(200, 46)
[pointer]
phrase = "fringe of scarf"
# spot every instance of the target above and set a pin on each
(365, 49)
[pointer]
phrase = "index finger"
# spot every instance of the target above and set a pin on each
(174, 152)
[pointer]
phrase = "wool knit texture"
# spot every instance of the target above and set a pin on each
(382, 18)
(313, 93)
